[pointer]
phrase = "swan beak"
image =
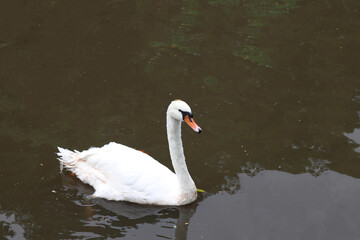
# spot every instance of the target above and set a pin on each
(190, 121)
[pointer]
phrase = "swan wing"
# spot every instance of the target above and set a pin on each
(118, 172)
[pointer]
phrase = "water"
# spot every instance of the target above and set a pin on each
(274, 86)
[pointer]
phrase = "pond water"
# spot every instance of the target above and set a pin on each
(275, 86)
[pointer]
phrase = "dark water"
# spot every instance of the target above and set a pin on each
(274, 85)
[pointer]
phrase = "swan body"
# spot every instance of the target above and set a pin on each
(121, 173)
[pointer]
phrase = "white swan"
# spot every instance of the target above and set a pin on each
(121, 173)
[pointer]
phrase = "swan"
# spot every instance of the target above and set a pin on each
(120, 173)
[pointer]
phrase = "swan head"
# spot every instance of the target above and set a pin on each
(181, 111)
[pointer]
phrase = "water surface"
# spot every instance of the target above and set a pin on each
(274, 85)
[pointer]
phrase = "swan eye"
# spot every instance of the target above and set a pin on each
(184, 114)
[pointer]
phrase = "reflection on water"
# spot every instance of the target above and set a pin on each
(269, 204)
(273, 84)
(278, 205)
(354, 136)
(9, 227)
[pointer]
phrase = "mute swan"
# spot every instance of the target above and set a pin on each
(121, 173)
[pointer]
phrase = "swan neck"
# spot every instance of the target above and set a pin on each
(177, 154)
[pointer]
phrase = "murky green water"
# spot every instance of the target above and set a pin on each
(274, 85)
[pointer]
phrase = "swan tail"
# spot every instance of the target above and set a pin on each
(68, 159)
(77, 163)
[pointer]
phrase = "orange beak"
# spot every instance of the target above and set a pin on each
(192, 124)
